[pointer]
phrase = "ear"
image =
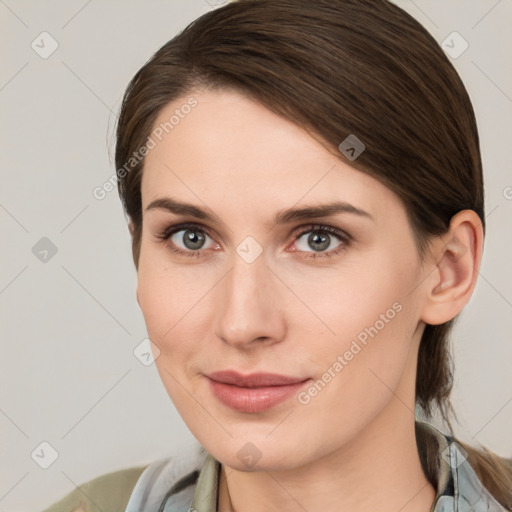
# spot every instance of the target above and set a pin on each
(131, 227)
(458, 254)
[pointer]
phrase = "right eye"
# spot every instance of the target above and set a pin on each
(191, 237)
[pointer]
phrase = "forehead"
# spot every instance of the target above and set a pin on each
(230, 150)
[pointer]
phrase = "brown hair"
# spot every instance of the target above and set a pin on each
(335, 68)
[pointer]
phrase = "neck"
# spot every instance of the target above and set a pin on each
(380, 470)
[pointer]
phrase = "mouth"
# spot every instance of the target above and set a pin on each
(253, 393)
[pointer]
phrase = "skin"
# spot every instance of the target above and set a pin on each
(352, 447)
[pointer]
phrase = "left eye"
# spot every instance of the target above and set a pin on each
(320, 239)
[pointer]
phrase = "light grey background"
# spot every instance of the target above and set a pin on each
(69, 325)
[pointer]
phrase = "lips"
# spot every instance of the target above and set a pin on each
(255, 392)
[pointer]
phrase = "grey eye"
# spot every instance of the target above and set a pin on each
(192, 239)
(317, 240)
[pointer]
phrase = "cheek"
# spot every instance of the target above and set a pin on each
(169, 295)
(343, 302)
(366, 317)
(170, 304)
(358, 371)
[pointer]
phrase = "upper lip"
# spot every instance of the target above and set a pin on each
(253, 380)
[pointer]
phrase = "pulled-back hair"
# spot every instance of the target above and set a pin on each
(335, 68)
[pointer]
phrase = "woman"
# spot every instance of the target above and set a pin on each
(304, 191)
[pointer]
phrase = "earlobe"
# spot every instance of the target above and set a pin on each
(458, 254)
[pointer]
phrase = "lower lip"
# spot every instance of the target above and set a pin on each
(253, 399)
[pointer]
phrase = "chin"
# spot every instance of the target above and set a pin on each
(257, 452)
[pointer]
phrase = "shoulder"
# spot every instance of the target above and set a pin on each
(137, 488)
(110, 491)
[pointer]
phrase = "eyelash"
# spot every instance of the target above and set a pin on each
(165, 235)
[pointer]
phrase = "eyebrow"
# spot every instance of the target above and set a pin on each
(282, 217)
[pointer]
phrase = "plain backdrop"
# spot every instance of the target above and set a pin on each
(69, 318)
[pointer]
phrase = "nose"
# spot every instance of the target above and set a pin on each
(250, 310)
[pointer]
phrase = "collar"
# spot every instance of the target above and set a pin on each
(160, 489)
(459, 488)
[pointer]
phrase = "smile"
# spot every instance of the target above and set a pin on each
(253, 393)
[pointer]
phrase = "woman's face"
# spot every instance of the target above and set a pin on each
(335, 312)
